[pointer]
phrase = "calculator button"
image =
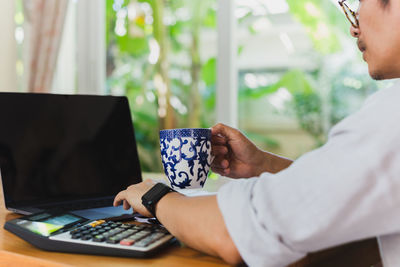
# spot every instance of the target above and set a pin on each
(138, 236)
(130, 231)
(138, 227)
(96, 223)
(99, 238)
(86, 237)
(76, 236)
(75, 231)
(143, 243)
(156, 236)
(125, 234)
(127, 242)
(113, 240)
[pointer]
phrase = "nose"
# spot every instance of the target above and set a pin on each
(355, 32)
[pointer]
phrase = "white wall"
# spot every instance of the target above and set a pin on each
(8, 49)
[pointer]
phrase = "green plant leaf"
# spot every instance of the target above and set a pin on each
(209, 72)
(133, 46)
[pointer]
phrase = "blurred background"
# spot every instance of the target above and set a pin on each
(282, 71)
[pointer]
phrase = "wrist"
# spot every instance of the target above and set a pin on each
(168, 204)
(154, 195)
(263, 162)
(274, 163)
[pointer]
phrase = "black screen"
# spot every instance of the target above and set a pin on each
(65, 147)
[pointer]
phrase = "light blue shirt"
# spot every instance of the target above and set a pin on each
(347, 190)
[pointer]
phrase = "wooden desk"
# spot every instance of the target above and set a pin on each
(16, 252)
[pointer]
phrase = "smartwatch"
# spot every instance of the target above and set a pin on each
(151, 197)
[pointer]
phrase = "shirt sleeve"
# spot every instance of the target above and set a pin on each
(257, 245)
(347, 190)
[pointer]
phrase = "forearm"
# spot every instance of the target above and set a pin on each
(197, 222)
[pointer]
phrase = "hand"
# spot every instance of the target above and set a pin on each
(132, 197)
(235, 155)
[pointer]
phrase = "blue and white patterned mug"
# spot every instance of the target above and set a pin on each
(186, 156)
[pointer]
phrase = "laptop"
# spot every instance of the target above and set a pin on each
(66, 152)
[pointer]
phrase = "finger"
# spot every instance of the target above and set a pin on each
(220, 165)
(118, 199)
(217, 170)
(223, 130)
(219, 150)
(220, 162)
(126, 205)
(218, 140)
(221, 171)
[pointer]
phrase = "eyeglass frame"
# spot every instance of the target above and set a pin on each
(354, 14)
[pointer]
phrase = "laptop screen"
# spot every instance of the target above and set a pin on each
(65, 147)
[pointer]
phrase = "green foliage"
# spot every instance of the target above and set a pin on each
(322, 21)
(132, 73)
(133, 46)
(209, 72)
(306, 103)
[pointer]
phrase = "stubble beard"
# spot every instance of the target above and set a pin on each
(376, 75)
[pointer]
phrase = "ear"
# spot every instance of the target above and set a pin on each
(355, 32)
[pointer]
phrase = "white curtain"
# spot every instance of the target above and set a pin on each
(46, 22)
(8, 47)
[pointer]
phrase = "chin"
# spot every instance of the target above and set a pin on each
(383, 70)
(382, 75)
(376, 74)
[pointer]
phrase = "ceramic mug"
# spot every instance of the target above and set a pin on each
(186, 156)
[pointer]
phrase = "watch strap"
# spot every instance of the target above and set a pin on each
(151, 197)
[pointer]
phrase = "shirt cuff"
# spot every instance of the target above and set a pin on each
(257, 245)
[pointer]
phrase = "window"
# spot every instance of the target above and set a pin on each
(162, 56)
(299, 72)
(287, 70)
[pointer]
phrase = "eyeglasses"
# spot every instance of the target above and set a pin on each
(350, 14)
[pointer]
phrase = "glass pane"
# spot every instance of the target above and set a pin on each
(162, 55)
(300, 72)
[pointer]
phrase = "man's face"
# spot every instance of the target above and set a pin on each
(379, 37)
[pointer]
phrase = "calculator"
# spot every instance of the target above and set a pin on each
(67, 232)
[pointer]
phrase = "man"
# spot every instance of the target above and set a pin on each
(347, 190)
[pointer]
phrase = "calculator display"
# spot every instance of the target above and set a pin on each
(49, 224)
(41, 228)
